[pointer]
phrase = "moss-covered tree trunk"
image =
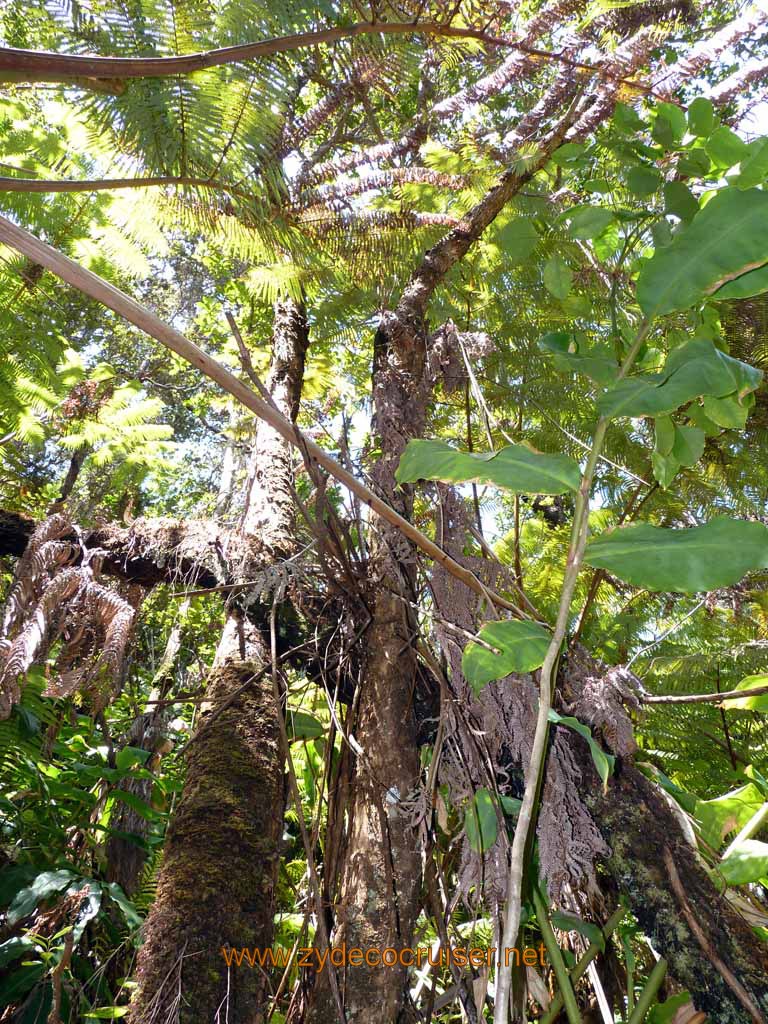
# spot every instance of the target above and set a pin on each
(711, 950)
(222, 852)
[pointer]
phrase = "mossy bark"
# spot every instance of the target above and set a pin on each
(711, 950)
(220, 863)
(221, 856)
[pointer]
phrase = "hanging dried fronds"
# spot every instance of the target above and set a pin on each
(57, 606)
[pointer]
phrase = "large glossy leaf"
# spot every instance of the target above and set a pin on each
(725, 239)
(747, 862)
(46, 884)
(745, 285)
(480, 821)
(694, 369)
(698, 559)
(515, 468)
(701, 117)
(558, 277)
(521, 647)
(727, 813)
(757, 703)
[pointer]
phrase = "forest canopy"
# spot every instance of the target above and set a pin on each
(384, 512)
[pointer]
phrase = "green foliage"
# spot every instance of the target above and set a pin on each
(698, 559)
(504, 647)
(515, 468)
(725, 239)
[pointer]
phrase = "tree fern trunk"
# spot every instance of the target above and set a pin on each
(222, 851)
(380, 873)
(710, 948)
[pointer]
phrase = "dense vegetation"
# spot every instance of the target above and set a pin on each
(383, 530)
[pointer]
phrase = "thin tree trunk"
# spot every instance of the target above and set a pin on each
(217, 883)
(380, 874)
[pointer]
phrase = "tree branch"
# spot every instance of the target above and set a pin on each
(42, 66)
(100, 290)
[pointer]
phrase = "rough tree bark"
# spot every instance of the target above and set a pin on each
(710, 948)
(217, 883)
(377, 901)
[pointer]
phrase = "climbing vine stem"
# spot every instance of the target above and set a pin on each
(578, 540)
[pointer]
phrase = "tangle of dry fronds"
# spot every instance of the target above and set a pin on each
(54, 604)
(490, 737)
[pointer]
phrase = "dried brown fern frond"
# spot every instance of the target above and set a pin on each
(44, 554)
(52, 601)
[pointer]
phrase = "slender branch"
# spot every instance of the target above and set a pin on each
(703, 698)
(705, 943)
(100, 290)
(42, 66)
(579, 532)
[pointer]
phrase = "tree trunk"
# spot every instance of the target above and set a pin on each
(222, 851)
(380, 874)
(711, 950)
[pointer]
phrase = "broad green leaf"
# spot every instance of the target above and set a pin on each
(558, 277)
(665, 468)
(664, 431)
(747, 862)
(627, 119)
(725, 239)
(568, 153)
(728, 813)
(643, 180)
(589, 221)
(13, 948)
(689, 445)
(107, 1013)
(680, 201)
(517, 238)
(701, 117)
(46, 884)
(515, 468)
(691, 370)
(129, 756)
(141, 807)
(606, 243)
(725, 147)
(745, 285)
(728, 412)
(697, 559)
(129, 912)
(754, 167)
(603, 762)
(17, 983)
(521, 646)
(698, 417)
(666, 1012)
(571, 923)
(756, 703)
(598, 185)
(694, 162)
(670, 125)
(303, 726)
(571, 356)
(480, 822)
(661, 232)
